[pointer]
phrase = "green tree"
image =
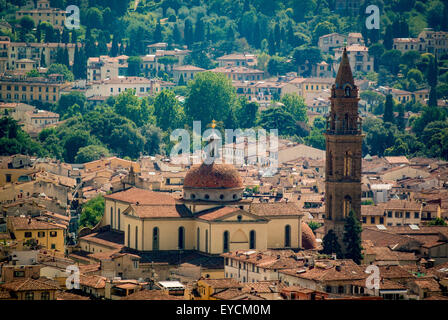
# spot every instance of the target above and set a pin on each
(91, 153)
(352, 238)
(92, 212)
(134, 66)
(128, 105)
(330, 244)
(167, 110)
(437, 222)
(314, 225)
(61, 69)
(210, 96)
(389, 109)
(295, 105)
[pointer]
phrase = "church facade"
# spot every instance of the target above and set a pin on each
(211, 216)
(343, 152)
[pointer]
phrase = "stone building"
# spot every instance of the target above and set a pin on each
(344, 151)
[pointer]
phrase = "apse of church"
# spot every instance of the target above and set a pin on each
(343, 151)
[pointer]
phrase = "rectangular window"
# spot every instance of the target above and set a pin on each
(41, 234)
(408, 215)
(416, 215)
(28, 234)
(19, 274)
(53, 234)
(364, 220)
(53, 246)
(389, 214)
(372, 220)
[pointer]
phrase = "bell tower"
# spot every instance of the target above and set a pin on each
(343, 138)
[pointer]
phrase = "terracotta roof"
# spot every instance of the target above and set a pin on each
(222, 283)
(428, 284)
(215, 176)
(92, 281)
(397, 160)
(20, 223)
(160, 211)
(142, 196)
(151, 295)
(275, 209)
(308, 237)
(228, 294)
(214, 214)
(188, 68)
(64, 295)
(29, 284)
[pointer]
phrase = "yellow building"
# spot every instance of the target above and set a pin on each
(206, 288)
(48, 235)
(19, 88)
(30, 289)
(312, 86)
(211, 217)
(43, 12)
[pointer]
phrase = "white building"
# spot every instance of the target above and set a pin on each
(358, 56)
(115, 86)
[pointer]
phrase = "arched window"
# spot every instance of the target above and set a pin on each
(136, 238)
(346, 122)
(225, 241)
(198, 239)
(118, 224)
(181, 238)
(288, 236)
(330, 163)
(111, 217)
(347, 205)
(252, 242)
(206, 240)
(155, 239)
(207, 196)
(129, 235)
(347, 91)
(221, 197)
(348, 161)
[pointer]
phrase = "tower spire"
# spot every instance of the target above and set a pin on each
(345, 72)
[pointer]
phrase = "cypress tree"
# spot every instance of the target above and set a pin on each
(199, 32)
(432, 76)
(400, 121)
(388, 41)
(188, 32)
(331, 244)
(389, 109)
(352, 238)
(158, 32)
(181, 80)
(114, 48)
(176, 34)
(43, 64)
(65, 36)
(65, 57)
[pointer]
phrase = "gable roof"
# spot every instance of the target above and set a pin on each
(142, 196)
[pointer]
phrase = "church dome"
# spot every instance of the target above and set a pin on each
(213, 176)
(308, 237)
